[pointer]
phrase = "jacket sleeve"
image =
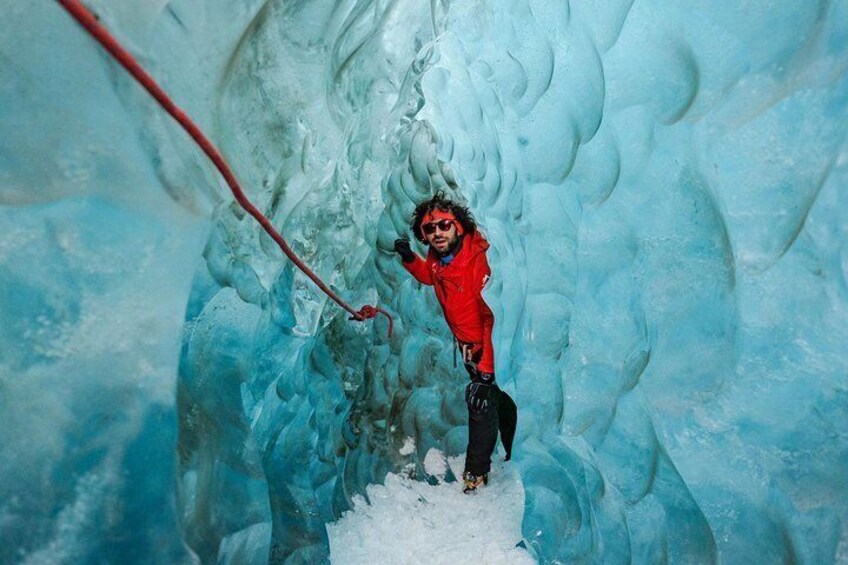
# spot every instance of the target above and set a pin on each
(418, 268)
(481, 279)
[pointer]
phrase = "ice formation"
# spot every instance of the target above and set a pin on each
(663, 184)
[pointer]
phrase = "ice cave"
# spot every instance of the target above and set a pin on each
(664, 185)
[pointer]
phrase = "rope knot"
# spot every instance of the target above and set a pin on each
(367, 312)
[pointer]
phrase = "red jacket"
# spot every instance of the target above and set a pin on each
(458, 288)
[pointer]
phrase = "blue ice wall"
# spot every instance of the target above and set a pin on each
(664, 188)
(98, 247)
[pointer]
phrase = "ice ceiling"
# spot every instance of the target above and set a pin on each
(664, 187)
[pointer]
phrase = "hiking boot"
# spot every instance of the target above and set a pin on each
(473, 481)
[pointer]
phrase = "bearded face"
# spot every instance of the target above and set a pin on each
(442, 232)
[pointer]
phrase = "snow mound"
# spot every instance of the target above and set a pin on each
(411, 521)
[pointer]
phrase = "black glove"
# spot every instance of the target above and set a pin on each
(477, 392)
(402, 247)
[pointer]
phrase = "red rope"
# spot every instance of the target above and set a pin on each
(98, 32)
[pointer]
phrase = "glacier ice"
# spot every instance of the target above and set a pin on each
(663, 185)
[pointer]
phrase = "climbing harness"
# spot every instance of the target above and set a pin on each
(91, 24)
(469, 352)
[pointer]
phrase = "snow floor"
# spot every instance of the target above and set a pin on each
(411, 521)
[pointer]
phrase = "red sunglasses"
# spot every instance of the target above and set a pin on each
(443, 225)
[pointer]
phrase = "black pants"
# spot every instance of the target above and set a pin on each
(483, 435)
(501, 417)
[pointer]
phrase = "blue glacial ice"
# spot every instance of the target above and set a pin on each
(664, 187)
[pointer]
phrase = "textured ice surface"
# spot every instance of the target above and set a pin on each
(406, 522)
(664, 188)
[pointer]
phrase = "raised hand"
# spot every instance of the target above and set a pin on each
(403, 249)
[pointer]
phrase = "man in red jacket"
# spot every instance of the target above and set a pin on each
(457, 268)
